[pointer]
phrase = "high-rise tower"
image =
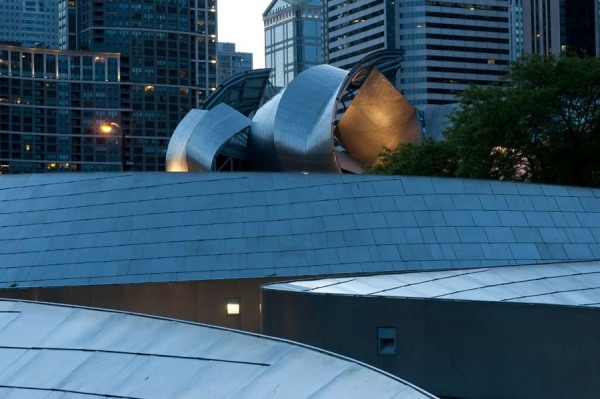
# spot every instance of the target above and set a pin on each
(555, 26)
(232, 62)
(447, 44)
(168, 64)
(293, 40)
(29, 23)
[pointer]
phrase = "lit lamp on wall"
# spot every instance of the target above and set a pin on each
(111, 128)
(233, 306)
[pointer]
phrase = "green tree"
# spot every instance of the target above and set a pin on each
(542, 126)
(429, 158)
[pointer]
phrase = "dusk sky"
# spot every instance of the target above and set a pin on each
(240, 22)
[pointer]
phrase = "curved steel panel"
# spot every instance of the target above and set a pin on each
(175, 159)
(218, 126)
(261, 146)
(303, 123)
(378, 117)
(61, 351)
(244, 92)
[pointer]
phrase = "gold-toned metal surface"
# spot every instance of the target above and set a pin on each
(378, 117)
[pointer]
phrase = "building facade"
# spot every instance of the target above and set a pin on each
(52, 104)
(293, 40)
(29, 23)
(448, 45)
(516, 27)
(231, 62)
(168, 65)
(559, 26)
(353, 29)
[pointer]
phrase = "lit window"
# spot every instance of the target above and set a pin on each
(149, 88)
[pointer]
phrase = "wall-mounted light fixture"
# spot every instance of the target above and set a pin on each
(233, 306)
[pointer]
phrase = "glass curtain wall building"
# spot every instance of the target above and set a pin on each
(516, 29)
(232, 62)
(555, 26)
(52, 103)
(29, 23)
(293, 39)
(447, 45)
(168, 64)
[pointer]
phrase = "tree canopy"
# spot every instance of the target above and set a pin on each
(542, 125)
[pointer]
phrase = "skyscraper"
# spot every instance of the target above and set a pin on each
(355, 28)
(447, 44)
(555, 26)
(168, 64)
(232, 62)
(29, 23)
(137, 65)
(293, 40)
(52, 104)
(516, 29)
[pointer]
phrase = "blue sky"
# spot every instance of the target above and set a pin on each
(240, 22)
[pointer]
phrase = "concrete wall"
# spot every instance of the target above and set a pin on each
(451, 348)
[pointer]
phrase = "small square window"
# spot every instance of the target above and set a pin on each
(386, 340)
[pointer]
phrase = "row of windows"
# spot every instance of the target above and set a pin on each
(353, 11)
(468, 5)
(461, 27)
(379, 34)
(359, 52)
(445, 15)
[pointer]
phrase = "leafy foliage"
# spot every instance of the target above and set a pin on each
(542, 126)
(430, 158)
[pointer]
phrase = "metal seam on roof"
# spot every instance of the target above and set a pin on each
(112, 366)
(426, 289)
(219, 225)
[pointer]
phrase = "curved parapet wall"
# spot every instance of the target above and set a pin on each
(86, 229)
(261, 140)
(218, 126)
(303, 133)
(62, 351)
(532, 325)
(175, 159)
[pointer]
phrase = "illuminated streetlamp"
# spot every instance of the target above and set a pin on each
(109, 128)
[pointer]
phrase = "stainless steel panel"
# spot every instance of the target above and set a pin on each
(304, 120)
(58, 352)
(218, 126)
(175, 159)
(261, 140)
(570, 284)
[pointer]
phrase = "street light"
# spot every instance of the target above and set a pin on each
(108, 128)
